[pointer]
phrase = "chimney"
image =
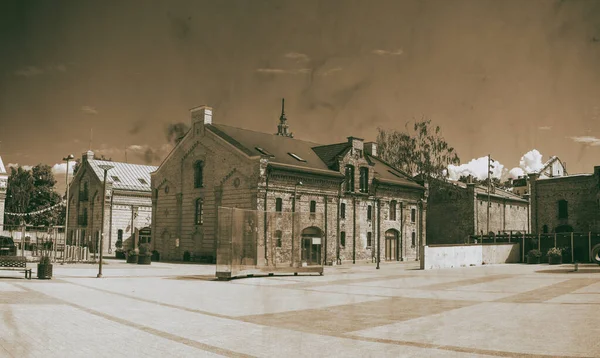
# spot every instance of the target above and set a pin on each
(201, 114)
(371, 148)
(357, 145)
(89, 155)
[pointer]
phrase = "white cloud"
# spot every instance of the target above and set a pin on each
(297, 56)
(531, 161)
(587, 140)
(29, 71)
(89, 110)
(388, 53)
(61, 168)
(516, 172)
(280, 71)
(545, 128)
(478, 168)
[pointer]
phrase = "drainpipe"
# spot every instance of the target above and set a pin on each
(378, 203)
(354, 230)
(110, 224)
(337, 243)
(325, 243)
(265, 217)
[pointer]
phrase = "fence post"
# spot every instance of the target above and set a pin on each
(554, 239)
(539, 242)
(572, 249)
(523, 249)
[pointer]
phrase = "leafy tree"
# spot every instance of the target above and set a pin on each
(424, 152)
(33, 190)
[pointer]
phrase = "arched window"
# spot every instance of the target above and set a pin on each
(199, 211)
(563, 209)
(349, 178)
(413, 215)
(393, 210)
(545, 229)
(343, 210)
(414, 239)
(278, 238)
(313, 207)
(369, 212)
(364, 179)
(342, 239)
(369, 239)
(198, 169)
(278, 205)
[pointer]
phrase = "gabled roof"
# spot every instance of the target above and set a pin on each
(308, 156)
(549, 163)
(2, 168)
(124, 176)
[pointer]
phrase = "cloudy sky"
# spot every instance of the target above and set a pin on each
(499, 77)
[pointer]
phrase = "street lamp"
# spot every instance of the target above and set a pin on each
(68, 158)
(106, 168)
(294, 217)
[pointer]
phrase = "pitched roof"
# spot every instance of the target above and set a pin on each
(2, 168)
(124, 175)
(307, 156)
(497, 192)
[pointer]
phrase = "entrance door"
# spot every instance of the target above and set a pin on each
(311, 246)
(391, 245)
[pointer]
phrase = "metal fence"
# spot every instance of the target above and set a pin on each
(576, 246)
(30, 241)
(252, 241)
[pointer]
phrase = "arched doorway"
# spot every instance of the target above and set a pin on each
(392, 245)
(311, 245)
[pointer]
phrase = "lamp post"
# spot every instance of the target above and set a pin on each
(294, 217)
(489, 185)
(106, 168)
(68, 158)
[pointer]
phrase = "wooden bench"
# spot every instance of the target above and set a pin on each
(15, 263)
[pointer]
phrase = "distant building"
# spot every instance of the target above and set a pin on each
(128, 203)
(360, 196)
(553, 168)
(3, 189)
(457, 210)
(565, 204)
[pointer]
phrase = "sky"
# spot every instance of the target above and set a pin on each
(507, 78)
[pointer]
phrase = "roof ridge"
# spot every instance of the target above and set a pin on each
(254, 131)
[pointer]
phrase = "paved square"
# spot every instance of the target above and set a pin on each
(180, 310)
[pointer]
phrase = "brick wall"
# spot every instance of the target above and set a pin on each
(581, 194)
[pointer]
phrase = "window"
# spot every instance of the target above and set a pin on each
(313, 207)
(143, 181)
(414, 239)
(364, 179)
(198, 180)
(278, 205)
(116, 179)
(349, 178)
(120, 235)
(296, 157)
(563, 209)
(343, 210)
(393, 210)
(369, 238)
(343, 239)
(278, 237)
(199, 212)
(83, 192)
(545, 229)
(413, 215)
(369, 212)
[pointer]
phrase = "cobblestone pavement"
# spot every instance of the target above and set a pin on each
(180, 310)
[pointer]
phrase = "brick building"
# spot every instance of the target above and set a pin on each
(457, 210)
(128, 203)
(3, 189)
(553, 168)
(565, 204)
(360, 197)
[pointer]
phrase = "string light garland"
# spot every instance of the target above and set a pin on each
(38, 211)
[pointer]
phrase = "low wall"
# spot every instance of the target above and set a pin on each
(449, 256)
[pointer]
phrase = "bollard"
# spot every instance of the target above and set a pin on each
(576, 266)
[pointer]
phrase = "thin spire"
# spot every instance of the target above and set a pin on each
(282, 117)
(282, 127)
(91, 137)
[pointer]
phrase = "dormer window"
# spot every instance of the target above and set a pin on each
(350, 178)
(364, 179)
(142, 181)
(296, 157)
(115, 179)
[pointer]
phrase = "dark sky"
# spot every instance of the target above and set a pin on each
(499, 77)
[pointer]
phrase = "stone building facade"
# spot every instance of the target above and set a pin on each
(553, 168)
(457, 210)
(565, 204)
(359, 197)
(128, 203)
(3, 189)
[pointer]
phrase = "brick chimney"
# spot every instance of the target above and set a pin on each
(371, 148)
(357, 145)
(201, 116)
(89, 155)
